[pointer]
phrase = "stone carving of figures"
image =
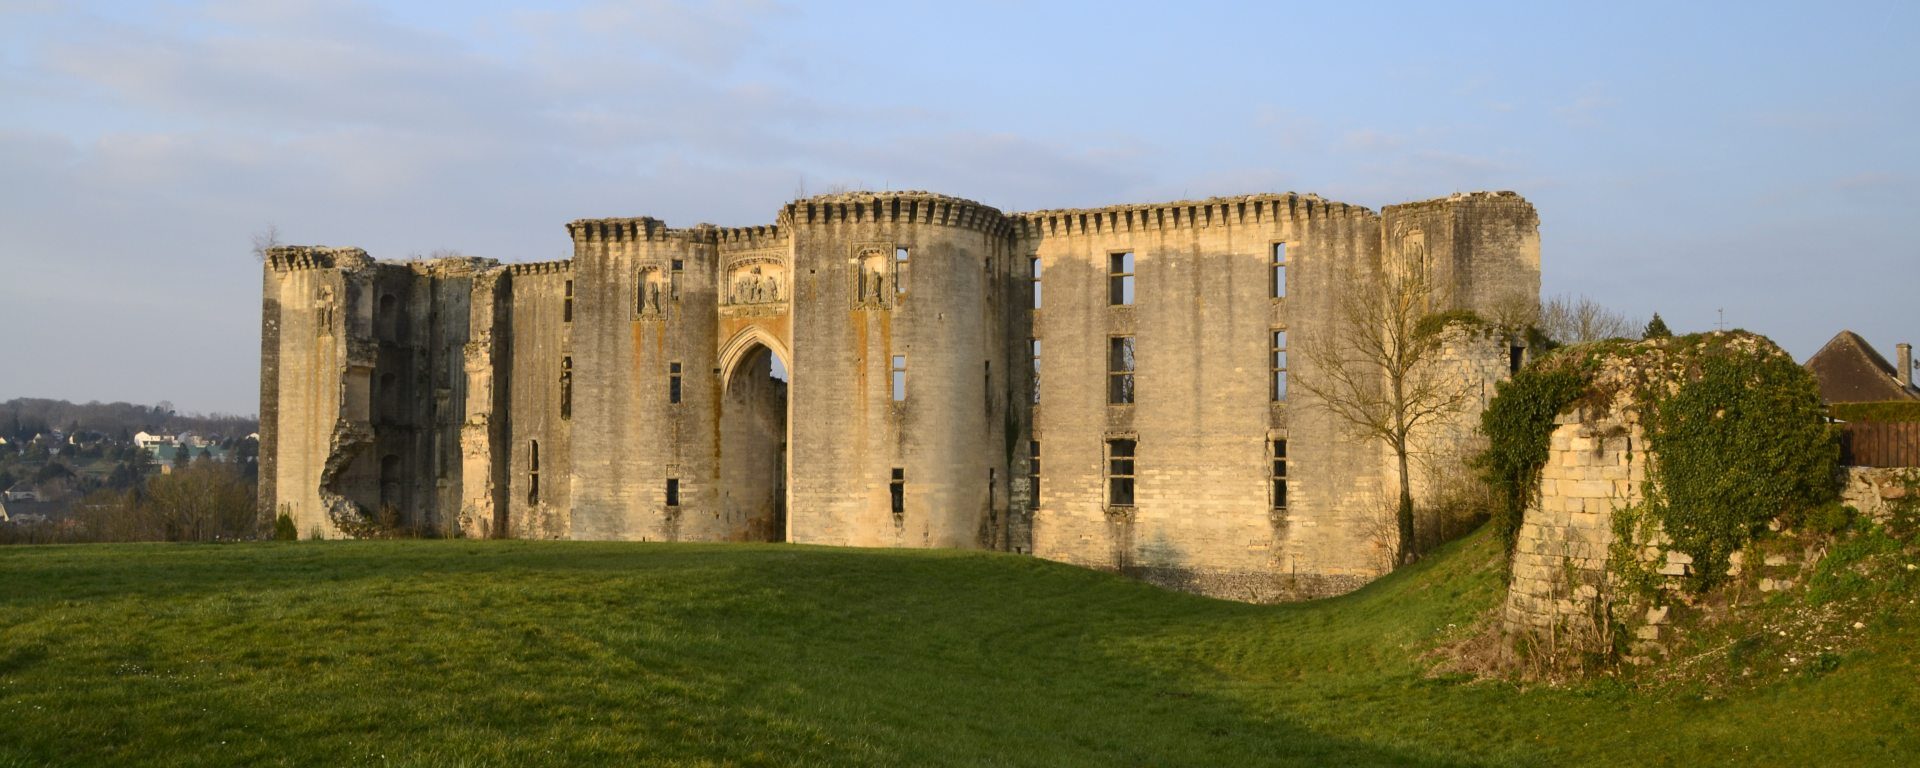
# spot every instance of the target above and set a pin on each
(756, 287)
(653, 296)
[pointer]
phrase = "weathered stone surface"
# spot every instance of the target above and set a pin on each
(537, 399)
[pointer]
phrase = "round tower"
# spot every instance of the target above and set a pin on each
(900, 438)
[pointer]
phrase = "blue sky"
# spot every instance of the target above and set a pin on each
(1756, 158)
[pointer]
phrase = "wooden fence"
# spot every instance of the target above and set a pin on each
(1880, 444)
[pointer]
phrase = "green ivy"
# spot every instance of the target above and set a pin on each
(1518, 423)
(1740, 442)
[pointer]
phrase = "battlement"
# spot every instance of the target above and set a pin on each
(615, 230)
(912, 207)
(757, 235)
(557, 266)
(295, 258)
(1186, 214)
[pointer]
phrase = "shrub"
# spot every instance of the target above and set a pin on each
(283, 528)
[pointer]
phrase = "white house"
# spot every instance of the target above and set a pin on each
(151, 441)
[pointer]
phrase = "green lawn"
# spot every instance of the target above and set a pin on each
(528, 653)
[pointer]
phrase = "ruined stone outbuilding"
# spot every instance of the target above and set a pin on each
(1106, 387)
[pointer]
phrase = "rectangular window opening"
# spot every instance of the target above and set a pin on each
(673, 382)
(1120, 278)
(1033, 473)
(899, 377)
(986, 386)
(1120, 473)
(1277, 363)
(673, 491)
(1279, 474)
(566, 311)
(1279, 279)
(673, 280)
(566, 388)
(899, 271)
(1033, 269)
(1120, 359)
(897, 491)
(1516, 355)
(1033, 346)
(533, 471)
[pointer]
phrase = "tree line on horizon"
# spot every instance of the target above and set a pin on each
(24, 417)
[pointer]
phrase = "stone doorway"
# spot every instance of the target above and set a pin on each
(753, 446)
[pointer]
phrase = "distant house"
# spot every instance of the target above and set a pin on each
(152, 441)
(22, 491)
(1851, 371)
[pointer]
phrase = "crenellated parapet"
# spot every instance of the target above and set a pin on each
(1195, 214)
(733, 239)
(616, 230)
(895, 208)
(295, 258)
(558, 266)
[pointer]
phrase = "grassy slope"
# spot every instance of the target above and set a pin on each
(516, 653)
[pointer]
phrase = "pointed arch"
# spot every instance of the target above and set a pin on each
(739, 349)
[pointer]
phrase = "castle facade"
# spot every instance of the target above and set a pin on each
(1106, 387)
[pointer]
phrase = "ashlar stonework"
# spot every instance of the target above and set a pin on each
(1104, 387)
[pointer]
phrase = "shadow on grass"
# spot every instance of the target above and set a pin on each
(552, 653)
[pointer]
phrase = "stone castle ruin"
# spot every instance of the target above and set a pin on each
(1106, 387)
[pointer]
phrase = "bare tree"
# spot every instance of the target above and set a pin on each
(1376, 368)
(265, 240)
(1573, 320)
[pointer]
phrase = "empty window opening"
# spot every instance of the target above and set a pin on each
(1120, 356)
(899, 271)
(673, 382)
(566, 305)
(1278, 283)
(1033, 269)
(1120, 473)
(388, 396)
(673, 279)
(566, 387)
(1279, 474)
(533, 471)
(1033, 473)
(897, 491)
(899, 378)
(390, 321)
(1277, 364)
(1516, 355)
(1120, 278)
(986, 386)
(673, 491)
(1033, 346)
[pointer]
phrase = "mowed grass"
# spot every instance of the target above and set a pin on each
(549, 653)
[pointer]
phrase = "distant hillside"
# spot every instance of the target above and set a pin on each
(22, 418)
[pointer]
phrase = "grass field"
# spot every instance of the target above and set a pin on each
(531, 653)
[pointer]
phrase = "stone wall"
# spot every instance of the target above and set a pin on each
(1561, 554)
(439, 402)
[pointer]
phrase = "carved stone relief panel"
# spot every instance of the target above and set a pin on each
(755, 280)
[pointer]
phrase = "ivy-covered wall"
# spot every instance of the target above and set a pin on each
(1639, 470)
